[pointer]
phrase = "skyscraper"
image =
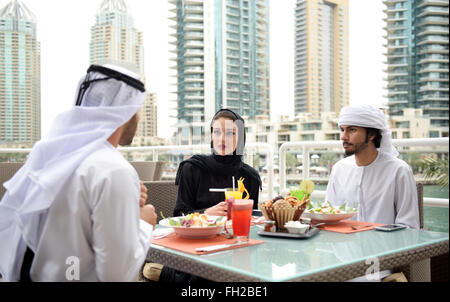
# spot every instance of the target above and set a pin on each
(114, 39)
(417, 57)
(222, 61)
(321, 56)
(20, 83)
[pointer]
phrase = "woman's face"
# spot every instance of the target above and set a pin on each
(224, 136)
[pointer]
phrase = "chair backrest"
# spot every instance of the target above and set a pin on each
(148, 170)
(7, 170)
(159, 168)
(162, 195)
(419, 187)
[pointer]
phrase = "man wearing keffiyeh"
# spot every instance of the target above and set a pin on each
(73, 212)
(371, 177)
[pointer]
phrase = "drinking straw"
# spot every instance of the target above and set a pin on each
(217, 190)
(233, 182)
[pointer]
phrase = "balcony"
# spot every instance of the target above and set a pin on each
(191, 70)
(194, 44)
(433, 20)
(391, 47)
(433, 30)
(434, 11)
(433, 40)
(432, 2)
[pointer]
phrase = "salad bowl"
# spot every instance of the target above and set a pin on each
(188, 227)
(328, 218)
(328, 214)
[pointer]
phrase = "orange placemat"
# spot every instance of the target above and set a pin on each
(179, 243)
(345, 226)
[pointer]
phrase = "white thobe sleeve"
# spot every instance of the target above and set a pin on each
(406, 202)
(120, 238)
(333, 195)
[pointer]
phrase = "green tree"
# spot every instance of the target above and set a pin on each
(414, 160)
(291, 161)
(256, 162)
(328, 159)
(436, 168)
(13, 157)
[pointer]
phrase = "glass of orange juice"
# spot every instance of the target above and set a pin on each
(241, 214)
(230, 192)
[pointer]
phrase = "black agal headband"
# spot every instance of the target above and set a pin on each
(110, 74)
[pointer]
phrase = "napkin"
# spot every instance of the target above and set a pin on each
(179, 243)
(345, 226)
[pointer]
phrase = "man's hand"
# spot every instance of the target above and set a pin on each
(143, 197)
(148, 214)
(219, 209)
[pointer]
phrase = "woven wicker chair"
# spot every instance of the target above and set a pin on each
(418, 271)
(149, 170)
(7, 170)
(157, 174)
(419, 187)
(162, 195)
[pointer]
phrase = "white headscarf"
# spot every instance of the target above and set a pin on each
(74, 135)
(370, 117)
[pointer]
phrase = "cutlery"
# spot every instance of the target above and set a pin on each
(217, 247)
(258, 220)
(357, 227)
(165, 234)
(316, 225)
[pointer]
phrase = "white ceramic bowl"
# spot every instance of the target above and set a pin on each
(193, 232)
(328, 218)
(298, 229)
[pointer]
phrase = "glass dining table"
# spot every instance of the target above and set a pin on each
(328, 256)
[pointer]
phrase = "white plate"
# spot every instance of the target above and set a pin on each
(193, 232)
(328, 218)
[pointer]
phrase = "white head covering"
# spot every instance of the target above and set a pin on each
(370, 117)
(106, 106)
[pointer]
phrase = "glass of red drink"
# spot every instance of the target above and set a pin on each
(241, 215)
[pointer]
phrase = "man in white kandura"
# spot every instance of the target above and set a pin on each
(75, 210)
(372, 176)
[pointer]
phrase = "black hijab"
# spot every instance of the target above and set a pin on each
(228, 164)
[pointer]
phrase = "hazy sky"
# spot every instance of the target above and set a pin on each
(63, 29)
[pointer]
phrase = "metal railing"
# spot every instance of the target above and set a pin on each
(306, 146)
(250, 147)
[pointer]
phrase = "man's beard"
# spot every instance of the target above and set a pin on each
(130, 131)
(357, 148)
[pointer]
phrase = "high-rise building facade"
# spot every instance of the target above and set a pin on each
(114, 39)
(321, 56)
(20, 83)
(417, 58)
(147, 127)
(222, 61)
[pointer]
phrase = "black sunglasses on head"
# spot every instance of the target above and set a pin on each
(110, 74)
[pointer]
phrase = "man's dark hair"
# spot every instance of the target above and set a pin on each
(378, 136)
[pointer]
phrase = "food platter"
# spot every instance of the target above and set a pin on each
(308, 234)
(193, 232)
(329, 214)
(328, 218)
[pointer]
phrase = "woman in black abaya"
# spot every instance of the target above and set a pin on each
(199, 173)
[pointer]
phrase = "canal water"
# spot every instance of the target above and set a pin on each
(435, 219)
